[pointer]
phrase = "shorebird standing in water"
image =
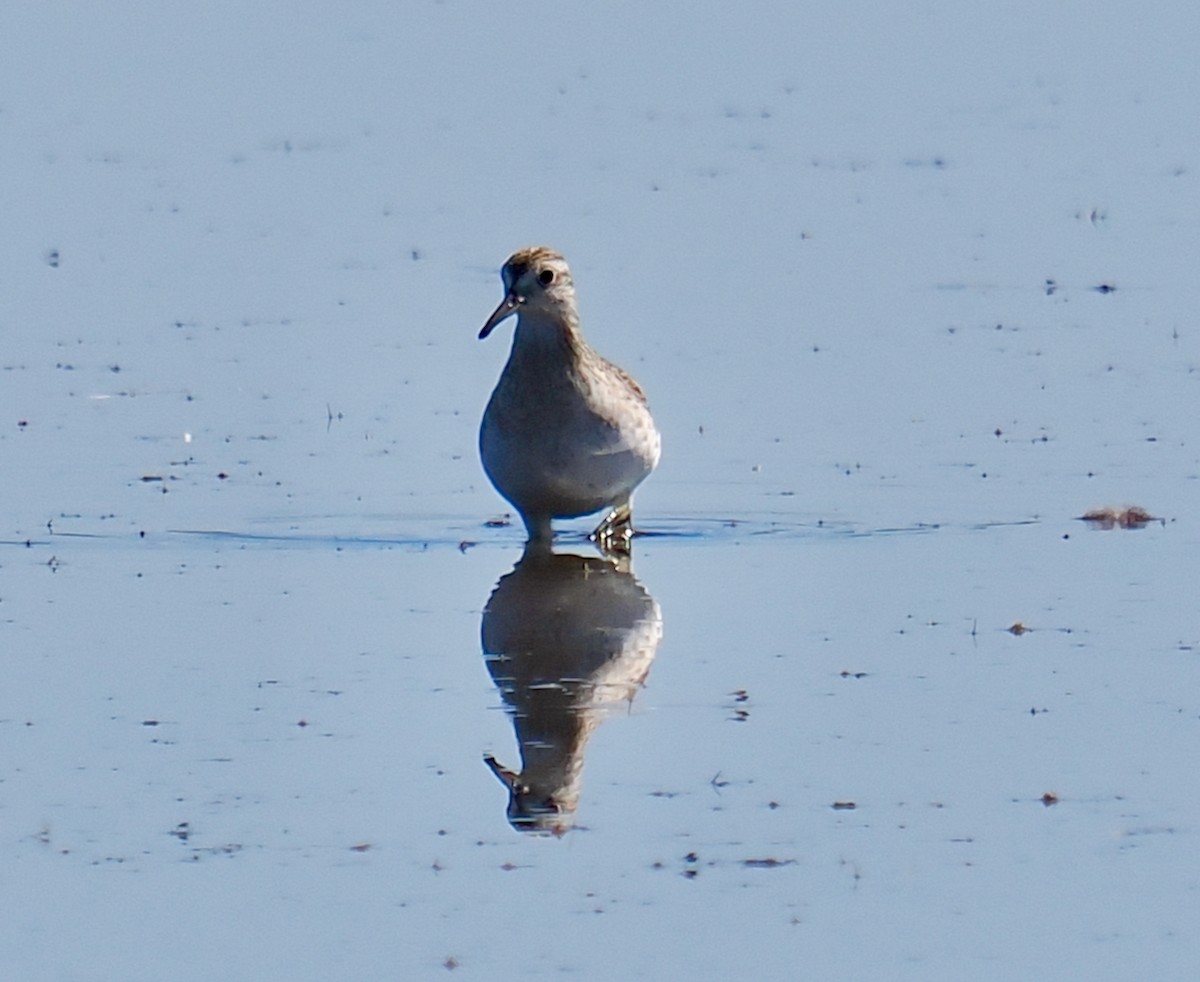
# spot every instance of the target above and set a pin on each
(566, 432)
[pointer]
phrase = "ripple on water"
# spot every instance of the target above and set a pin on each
(423, 533)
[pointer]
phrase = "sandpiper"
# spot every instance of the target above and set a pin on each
(566, 432)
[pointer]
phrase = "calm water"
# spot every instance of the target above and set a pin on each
(910, 293)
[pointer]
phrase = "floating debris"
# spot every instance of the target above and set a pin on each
(844, 806)
(1018, 629)
(229, 849)
(739, 713)
(1049, 798)
(1131, 517)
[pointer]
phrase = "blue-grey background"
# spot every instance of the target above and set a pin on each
(910, 287)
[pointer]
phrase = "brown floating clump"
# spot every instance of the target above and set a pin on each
(1132, 517)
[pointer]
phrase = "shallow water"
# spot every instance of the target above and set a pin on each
(910, 294)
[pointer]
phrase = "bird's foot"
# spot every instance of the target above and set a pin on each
(614, 535)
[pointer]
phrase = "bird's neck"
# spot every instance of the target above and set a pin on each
(548, 335)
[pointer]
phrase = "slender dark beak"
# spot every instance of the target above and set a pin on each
(508, 307)
(509, 779)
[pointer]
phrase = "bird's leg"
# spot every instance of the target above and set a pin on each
(615, 534)
(539, 530)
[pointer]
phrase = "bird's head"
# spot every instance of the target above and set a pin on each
(537, 281)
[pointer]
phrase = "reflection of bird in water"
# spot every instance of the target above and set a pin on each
(566, 432)
(565, 638)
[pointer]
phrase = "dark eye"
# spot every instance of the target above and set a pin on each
(546, 277)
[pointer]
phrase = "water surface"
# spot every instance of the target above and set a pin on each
(910, 291)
